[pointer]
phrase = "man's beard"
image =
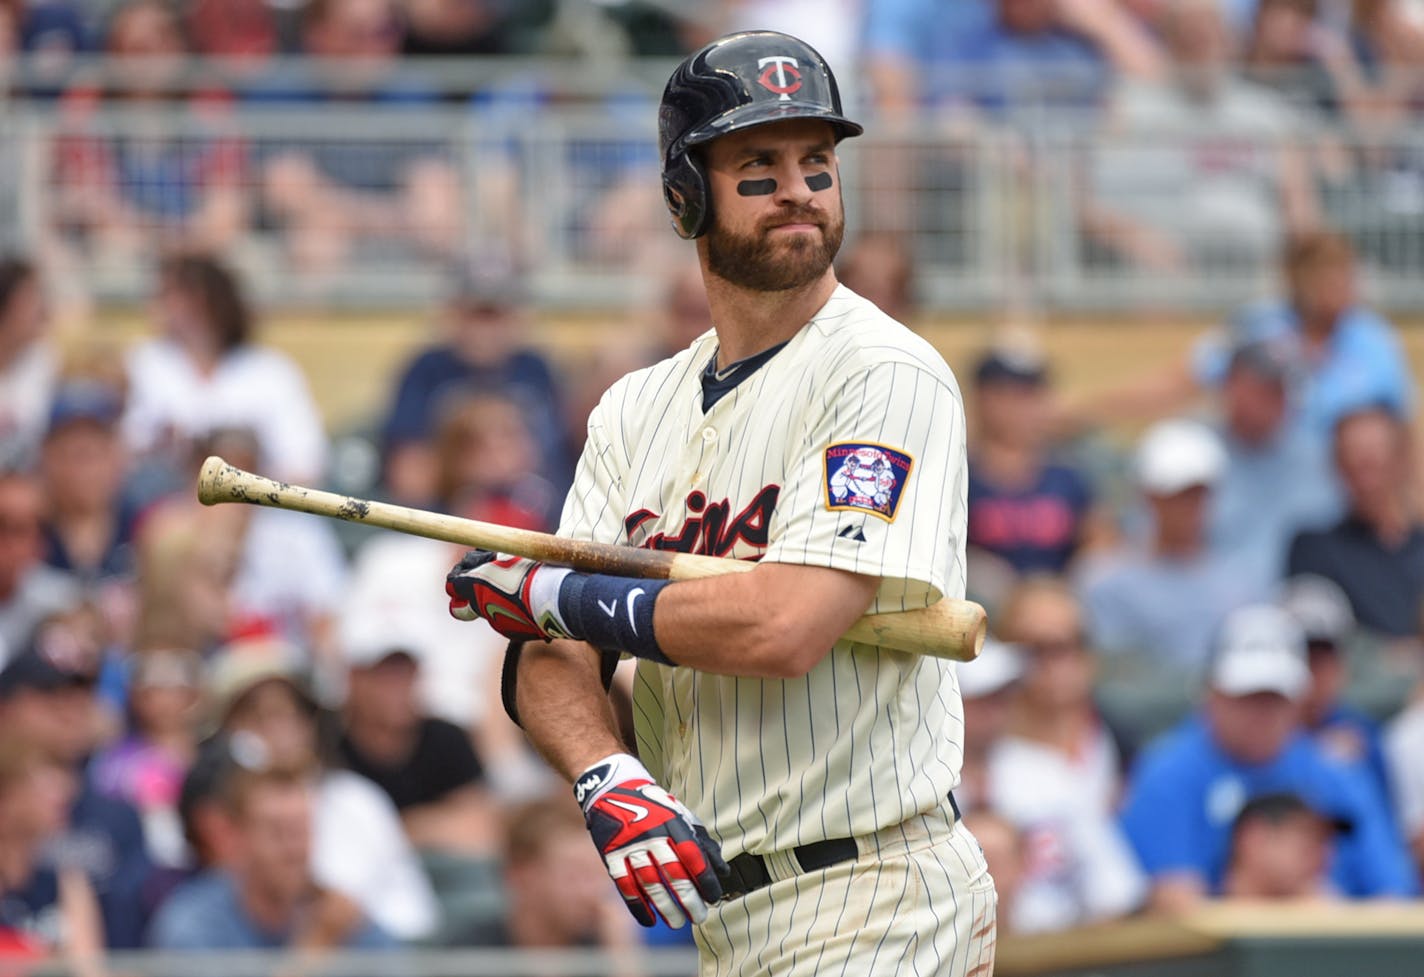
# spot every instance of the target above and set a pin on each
(761, 263)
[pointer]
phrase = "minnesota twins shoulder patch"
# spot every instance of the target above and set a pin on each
(866, 477)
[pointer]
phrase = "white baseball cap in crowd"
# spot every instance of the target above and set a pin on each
(369, 637)
(1260, 648)
(998, 666)
(1178, 454)
(1321, 608)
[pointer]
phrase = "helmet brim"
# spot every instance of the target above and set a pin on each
(764, 113)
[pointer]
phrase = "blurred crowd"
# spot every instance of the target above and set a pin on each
(238, 727)
(1200, 686)
(230, 727)
(1190, 134)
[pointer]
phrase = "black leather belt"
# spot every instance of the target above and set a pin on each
(748, 872)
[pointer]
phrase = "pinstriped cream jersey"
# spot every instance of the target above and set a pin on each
(846, 450)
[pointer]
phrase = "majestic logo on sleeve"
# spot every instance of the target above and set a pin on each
(868, 477)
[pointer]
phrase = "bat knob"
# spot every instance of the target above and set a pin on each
(212, 481)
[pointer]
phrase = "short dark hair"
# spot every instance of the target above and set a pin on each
(1262, 359)
(219, 292)
(1277, 807)
(14, 272)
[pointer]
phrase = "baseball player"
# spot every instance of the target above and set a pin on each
(814, 434)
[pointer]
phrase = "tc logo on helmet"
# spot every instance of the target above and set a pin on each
(779, 76)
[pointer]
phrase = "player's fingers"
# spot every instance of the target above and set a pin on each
(650, 882)
(689, 898)
(702, 859)
(633, 898)
(699, 868)
(641, 910)
(674, 870)
(460, 608)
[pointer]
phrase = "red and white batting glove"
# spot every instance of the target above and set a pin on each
(659, 855)
(518, 597)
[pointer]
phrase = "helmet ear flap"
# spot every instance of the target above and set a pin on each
(685, 192)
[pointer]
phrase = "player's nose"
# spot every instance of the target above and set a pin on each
(791, 186)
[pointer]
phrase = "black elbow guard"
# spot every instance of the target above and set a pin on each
(509, 677)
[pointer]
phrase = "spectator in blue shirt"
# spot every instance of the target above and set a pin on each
(1163, 599)
(481, 353)
(1187, 790)
(46, 909)
(1345, 355)
(263, 897)
(1376, 553)
(1343, 733)
(1267, 458)
(991, 53)
(47, 696)
(1341, 355)
(89, 532)
(1025, 507)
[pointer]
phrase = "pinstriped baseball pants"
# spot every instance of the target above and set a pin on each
(918, 901)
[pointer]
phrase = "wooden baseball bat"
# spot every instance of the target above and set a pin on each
(949, 629)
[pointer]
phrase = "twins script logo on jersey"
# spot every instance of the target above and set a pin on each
(710, 528)
(868, 477)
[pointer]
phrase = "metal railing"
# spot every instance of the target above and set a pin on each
(485, 962)
(371, 205)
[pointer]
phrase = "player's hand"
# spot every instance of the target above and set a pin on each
(657, 852)
(518, 597)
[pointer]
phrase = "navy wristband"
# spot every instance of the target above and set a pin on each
(613, 613)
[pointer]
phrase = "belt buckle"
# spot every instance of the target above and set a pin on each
(745, 874)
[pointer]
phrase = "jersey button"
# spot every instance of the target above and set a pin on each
(709, 434)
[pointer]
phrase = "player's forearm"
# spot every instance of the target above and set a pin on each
(776, 622)
(563, 707)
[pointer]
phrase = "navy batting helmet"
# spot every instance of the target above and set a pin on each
(736, 82)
